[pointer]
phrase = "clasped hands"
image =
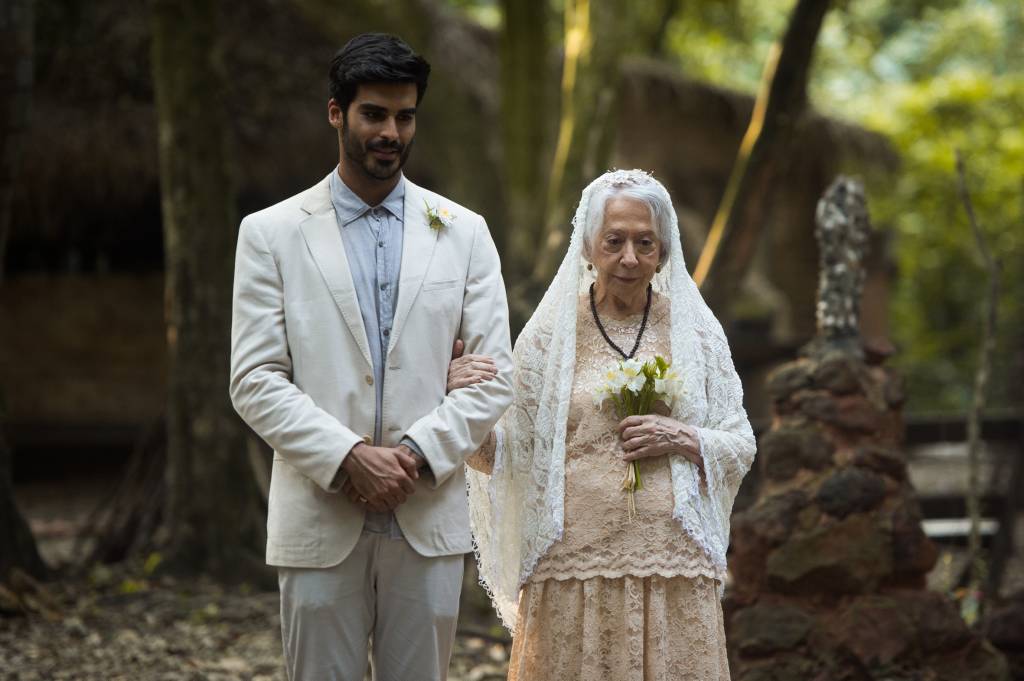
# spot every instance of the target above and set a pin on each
(380, 478)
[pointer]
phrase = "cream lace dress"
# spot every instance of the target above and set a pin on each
(615, 599)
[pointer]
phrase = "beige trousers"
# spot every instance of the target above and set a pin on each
(383, 591)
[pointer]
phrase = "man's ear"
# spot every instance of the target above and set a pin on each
(335, 114)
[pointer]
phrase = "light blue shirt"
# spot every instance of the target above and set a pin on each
(372, 236)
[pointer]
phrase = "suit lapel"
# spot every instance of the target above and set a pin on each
(418, 241)
(320, 230)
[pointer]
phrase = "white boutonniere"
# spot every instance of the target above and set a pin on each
(438, 218)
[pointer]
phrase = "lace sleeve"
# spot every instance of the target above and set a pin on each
(502, 514)
(483, 459)
(727, 441)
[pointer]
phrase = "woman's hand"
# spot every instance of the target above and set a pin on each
(654, 435)
(468, 370)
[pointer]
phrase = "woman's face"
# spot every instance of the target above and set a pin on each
(626, 249)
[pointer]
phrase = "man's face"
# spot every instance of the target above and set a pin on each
(378, 128)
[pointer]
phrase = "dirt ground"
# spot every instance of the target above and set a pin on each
(119, 625)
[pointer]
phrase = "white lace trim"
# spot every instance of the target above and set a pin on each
(640, 571)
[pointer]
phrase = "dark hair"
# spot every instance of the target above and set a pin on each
(375, 58)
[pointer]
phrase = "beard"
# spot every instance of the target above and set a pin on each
(360, 155)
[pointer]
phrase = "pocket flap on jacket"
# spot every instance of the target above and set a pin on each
(438, 285)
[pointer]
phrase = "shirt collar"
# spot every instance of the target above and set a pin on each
(349, 206)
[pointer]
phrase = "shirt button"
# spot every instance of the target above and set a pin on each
(369, 379)
(380, 244)
(387, 332)
(383, 286)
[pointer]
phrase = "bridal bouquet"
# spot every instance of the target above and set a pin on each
(633, 389)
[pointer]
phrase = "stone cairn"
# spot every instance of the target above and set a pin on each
(829, 564)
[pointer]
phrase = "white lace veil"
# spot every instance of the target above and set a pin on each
(516, 513)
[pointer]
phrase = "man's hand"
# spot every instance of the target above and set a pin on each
(380, 478)
(411, 461)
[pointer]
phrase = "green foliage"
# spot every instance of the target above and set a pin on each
(726, 41)
(952, 79)
(153, 561)
(484, 12)
(933, 76)
(132, 586)
(937, 308)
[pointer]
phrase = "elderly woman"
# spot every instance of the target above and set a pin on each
(590, 590)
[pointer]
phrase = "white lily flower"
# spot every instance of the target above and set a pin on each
(617, 380)
(632, 367)
(636, 383)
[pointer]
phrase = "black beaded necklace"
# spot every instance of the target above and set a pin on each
(600, 326)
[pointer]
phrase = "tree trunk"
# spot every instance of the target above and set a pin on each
(525, 51)
(211, 517)
(17, 545)
(16, 68)
(781, 102)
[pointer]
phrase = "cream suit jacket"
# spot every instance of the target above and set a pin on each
(301, 373)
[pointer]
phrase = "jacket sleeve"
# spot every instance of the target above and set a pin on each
(458, 426)
(262, 391)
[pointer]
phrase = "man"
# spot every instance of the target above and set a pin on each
(348, 300)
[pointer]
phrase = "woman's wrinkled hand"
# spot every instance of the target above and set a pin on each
(654, 435)
(469, 369)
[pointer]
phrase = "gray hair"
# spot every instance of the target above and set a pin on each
(650, 194)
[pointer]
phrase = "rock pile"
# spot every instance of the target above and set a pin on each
(829, 564)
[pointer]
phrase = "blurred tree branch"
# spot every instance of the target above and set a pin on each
(1003, 544)
(657, 45)
(981, 378)
(781, 102)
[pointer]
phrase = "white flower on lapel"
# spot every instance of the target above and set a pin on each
(438, 218)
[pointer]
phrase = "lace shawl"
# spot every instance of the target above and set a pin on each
(516, 512)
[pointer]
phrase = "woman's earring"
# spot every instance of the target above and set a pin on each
(657, 269)
(590, 265)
